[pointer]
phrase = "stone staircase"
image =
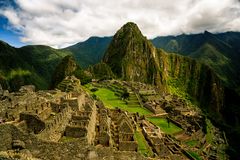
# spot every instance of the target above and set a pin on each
(133, 100)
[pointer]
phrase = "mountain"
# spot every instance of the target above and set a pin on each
(27, 65)
(132, 57)
(129, 55)
(65, 68)
(201, 68)
(219, 51)
(101, 71)
(90, 51)
(35, 64)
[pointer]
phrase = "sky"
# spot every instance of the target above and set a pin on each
(60, 23)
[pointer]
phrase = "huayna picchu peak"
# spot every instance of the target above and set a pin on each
(130, 55)
(121, 97)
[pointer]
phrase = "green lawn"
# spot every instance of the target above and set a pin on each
(111, 100)
(143, 146)
(163, 124)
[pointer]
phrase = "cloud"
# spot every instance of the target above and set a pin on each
(59, 23)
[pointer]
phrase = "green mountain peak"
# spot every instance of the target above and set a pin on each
(65, 68)
(130, 54)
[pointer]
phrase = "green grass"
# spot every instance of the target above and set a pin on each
(18, 72)
(112, 101)
(163, 124)
(195, 155)
(191, 143)
(67, 139)
(109, 98)
(143, 146)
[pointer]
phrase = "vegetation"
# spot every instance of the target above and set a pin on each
(191, 143)
(128, 55)
(111, 100)
(84, 76)
(27, 65)
(165, 126)
(101, 71)
(194, 155)
(176, 87)
(215, 50)
(214, 85)
(210, 131)
(143, 146)
(65, 139)
(89, 52)
(64, 69)
(125, 94)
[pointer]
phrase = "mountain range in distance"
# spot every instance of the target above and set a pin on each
(219, 51)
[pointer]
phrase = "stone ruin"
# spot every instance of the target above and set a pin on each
(53, 115)
(83, 122)
(70, 83)
(116, 128)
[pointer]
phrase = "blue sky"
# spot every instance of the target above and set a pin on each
(8, 35)
(59, 23)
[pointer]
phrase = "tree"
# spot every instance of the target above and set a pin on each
(125, 94)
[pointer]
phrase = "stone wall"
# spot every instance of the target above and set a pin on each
(128, 146)
(91, 125)
(75, 131)
(150, 107)
(57, 123)
(76, 101)
(34, 123)
(104, 139)
(84, 121)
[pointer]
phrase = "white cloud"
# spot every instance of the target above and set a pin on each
(59, 23)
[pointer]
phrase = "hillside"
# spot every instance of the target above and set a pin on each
(90, 51)
(27, 65)
(129, 55)
(219, 51)
(133, 58)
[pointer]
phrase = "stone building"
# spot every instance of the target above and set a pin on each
(155, 138)
(82, 124)
(45, 118)
(103, 127)
(155, 107)
(123, 128)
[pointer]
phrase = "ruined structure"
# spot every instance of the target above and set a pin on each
(71, 121)
(83, 122)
